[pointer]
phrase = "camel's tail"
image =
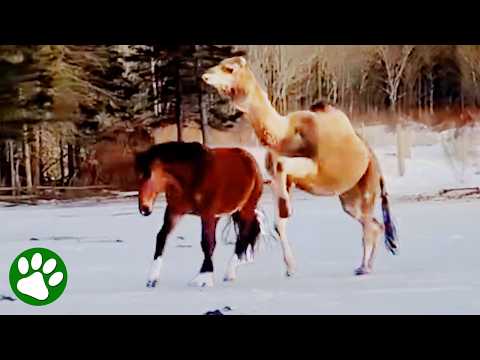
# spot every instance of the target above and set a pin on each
(391, 238)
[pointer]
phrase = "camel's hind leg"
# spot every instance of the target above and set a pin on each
(359, 202)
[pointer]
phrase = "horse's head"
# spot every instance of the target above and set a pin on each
(166, 165)
(231, 78)
(152, 181)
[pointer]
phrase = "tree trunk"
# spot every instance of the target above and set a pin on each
(12, 167)
(425, 97)
(431, 95)
(201, 98)
(36, 179)
(155, 87)
(328, 90)
(178, 104)
(18, 183)
(27, 158)
(71, 161)
(40, 160)
(78, 160)
(320, 81)
(203, 118)
(62, 165)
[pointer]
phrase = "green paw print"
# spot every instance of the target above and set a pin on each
(38, 276)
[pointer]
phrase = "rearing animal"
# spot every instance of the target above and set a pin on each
(317, 151)
(205, 182)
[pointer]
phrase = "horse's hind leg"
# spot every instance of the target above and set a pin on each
(359, 203)
(249, 230)
(169, 222)
(205, 277)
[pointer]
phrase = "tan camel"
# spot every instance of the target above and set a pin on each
(317, 151)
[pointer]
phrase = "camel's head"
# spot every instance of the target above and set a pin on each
(229, 77)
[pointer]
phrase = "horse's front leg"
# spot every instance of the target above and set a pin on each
(205, 277)
(169, 222)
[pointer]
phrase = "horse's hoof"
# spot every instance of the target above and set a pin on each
(151, 283)
(202, 280)
(228, 279)
(362, 271)
(290, 273)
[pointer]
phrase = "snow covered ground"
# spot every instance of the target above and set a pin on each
(428, 170)
(107, 247)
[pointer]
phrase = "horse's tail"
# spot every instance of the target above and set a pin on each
(260, 233)
(229, 225)
(391, 238)
(268, 232)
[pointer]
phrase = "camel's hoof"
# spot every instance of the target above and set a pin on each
(362, 271)
(151, 283)
(202, 280)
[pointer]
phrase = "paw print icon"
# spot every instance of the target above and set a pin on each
(38, 276)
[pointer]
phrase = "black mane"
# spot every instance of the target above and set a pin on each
(168, 153)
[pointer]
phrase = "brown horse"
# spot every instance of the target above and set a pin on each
(208, 183)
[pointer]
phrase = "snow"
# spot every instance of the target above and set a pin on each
(108, 248)
(429, 170)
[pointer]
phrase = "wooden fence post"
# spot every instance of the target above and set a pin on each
(400, 148)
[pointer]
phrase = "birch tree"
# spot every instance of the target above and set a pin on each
(394, 59)
(470, 58)
(280, 72)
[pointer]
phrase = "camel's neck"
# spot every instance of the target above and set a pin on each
(270, 127)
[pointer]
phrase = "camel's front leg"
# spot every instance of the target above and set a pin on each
(282, 209)
(282, 168)
(285, 167)
(281, 191)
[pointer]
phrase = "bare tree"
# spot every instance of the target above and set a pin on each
(28, 163)
(37, 154)
(394, 59)
(279, 71)
(11, 159)
(470, 56)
